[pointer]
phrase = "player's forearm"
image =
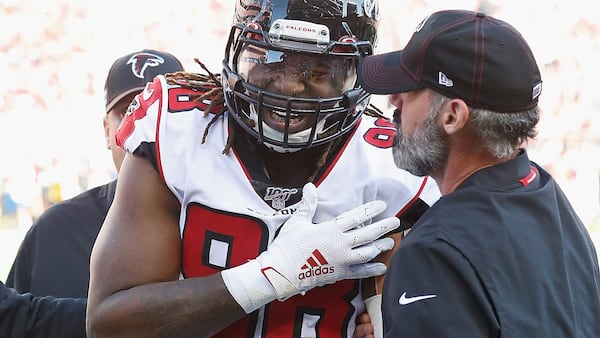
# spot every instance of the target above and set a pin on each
(195, 307)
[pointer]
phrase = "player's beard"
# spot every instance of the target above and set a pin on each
(425, 151)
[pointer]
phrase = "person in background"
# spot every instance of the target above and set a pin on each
(27, 316)
(54, 256)
(502, 253)
(216, 229)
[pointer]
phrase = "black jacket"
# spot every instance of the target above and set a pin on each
(26, 316)
(504, 255)
(54, 257)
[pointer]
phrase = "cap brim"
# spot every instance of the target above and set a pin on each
(384, 74)
(119, 97)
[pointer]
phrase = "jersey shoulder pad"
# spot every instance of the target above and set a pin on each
(193, 90)
(143, 110)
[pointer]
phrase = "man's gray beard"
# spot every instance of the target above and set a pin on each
(423, 152)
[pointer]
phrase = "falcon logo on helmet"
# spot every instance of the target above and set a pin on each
(141, 61)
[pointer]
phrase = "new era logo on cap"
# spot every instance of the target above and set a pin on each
(444, 80)
(130, 73)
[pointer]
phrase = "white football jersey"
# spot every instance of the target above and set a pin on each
(230, 211)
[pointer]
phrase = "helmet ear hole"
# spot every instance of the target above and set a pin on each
(255, 32)
(346, 46)
(343, 49)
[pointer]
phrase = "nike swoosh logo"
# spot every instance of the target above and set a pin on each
(407, 300)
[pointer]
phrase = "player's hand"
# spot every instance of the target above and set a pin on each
(305, 255)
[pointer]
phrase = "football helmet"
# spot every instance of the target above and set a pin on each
(289, 72)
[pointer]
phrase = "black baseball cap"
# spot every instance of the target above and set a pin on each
(131, 72)
(461, 54)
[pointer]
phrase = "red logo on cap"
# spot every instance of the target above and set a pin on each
(141, 61)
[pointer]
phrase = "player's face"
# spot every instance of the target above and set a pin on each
(420, 145)
(297, 75)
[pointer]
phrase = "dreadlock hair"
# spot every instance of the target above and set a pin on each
(208, 86)
(375, 112)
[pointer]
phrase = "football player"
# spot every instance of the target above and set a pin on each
(216, 228)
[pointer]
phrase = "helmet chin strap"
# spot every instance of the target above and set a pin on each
(294, 138)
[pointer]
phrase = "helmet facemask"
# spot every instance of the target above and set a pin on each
(292, 83)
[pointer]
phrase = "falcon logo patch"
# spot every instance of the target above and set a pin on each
(141, 61)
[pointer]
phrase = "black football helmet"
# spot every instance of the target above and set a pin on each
(307, 34)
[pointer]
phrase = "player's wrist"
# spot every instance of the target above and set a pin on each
(272, 262)
(248, 286)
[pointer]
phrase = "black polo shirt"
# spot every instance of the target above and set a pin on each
(40, 317)
(54, 257)
(504, 255)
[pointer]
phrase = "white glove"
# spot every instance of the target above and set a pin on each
(305, 255)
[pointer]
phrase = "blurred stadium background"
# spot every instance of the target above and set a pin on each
(54, 55)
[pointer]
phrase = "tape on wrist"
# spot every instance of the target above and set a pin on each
(248, 286)
(284, 289)
(373, 305)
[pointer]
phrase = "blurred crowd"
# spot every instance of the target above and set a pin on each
(54, 55)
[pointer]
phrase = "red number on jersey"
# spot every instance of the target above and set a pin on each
(382, 135)
(214, 240)
(184, 99)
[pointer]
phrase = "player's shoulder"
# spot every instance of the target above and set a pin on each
(376, 131)
(187, 91)
(177, 97)
(179, 92)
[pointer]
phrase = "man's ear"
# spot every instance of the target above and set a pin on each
(454, 116)
(105, 124)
